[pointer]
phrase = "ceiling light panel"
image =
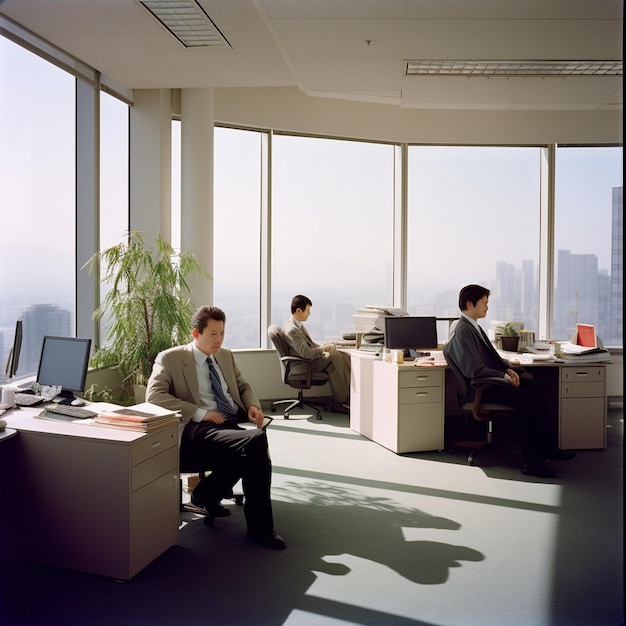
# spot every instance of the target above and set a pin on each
(187, 21)
(512, 68)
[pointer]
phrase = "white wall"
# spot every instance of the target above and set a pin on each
(290, 110)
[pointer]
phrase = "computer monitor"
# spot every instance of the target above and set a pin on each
(64, 361)
(411, 334)
(14, 354)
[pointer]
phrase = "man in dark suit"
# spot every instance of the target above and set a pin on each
(475, 356)
(203, 382)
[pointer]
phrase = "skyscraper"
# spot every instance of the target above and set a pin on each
(617, 270)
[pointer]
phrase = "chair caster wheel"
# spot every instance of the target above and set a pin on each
(319, 416)
(286, 416)
(239, 500)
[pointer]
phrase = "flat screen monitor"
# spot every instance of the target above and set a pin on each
(14, 354)
(411, 334)
(64, 361)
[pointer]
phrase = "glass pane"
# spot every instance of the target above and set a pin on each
(114, 190)
(474, 218)
(237, 237)
(588, 242)
(332, 229)
(37, 201)
(113, 170)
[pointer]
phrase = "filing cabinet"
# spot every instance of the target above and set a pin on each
(582, 411)
(408, 407)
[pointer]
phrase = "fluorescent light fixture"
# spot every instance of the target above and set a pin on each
(512, 68)
(187, 21)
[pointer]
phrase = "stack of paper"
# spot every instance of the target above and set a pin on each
(584, 347)
(144, 417)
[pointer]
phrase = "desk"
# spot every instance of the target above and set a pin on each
(403, 407)
(85, 497)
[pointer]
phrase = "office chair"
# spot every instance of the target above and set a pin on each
(299, 378)
(479, 410)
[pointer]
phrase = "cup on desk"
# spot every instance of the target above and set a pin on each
(8, 395)
(397, 356)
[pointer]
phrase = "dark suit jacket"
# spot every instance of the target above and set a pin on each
(471, 353)
(173, 383)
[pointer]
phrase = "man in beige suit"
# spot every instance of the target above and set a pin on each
(203, 382)
(325, 358)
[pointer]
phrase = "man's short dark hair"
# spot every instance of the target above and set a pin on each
(471, 293)
(205, 313)
(300, 302)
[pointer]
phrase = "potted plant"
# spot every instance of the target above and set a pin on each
(510, 338)
(147, 307)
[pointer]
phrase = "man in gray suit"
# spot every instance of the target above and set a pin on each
(203, 382)
(325, 358)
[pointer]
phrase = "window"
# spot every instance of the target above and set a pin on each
(114, 158)
(332, 229)
(588, 242)
(473, 217)
(37, 200)
(237, 228)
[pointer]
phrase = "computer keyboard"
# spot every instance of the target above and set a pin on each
(370, 348)
(67, 410)
(28, 399)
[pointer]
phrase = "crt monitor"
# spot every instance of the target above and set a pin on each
(64, 361)
(411, 334)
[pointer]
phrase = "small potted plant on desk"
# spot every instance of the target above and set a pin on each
(510, 338)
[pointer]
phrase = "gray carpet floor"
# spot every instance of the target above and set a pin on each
(373, 538)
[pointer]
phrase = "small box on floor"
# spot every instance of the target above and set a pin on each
(190, 482)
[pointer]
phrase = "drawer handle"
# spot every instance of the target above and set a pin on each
(421, 393)
(422, 377)
(156, 444)
(582, 373)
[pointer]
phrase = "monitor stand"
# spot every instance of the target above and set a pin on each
(65, 397)
(409, 353)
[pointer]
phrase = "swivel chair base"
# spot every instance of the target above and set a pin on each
(298, 403)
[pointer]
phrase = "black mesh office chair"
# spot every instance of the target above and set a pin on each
(479, 410)
(297, 373)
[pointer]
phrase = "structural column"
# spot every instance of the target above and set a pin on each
(151, 162)
(197, 118)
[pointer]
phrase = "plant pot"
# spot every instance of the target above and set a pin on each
(140, 393)
(509, 343)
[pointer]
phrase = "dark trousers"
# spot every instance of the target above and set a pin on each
(231, 453)
(531, 421)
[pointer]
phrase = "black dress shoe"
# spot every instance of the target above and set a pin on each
(537, 469)
(560, 455)
(216, 510)
(270, 539)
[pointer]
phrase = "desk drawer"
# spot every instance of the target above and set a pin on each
(154, 443)
(420, 395)
(420, 377)
(587, 374)
(154, 467)
(582, 390)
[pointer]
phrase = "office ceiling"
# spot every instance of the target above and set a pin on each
(349, 49)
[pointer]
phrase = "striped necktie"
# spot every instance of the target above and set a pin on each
(223, 405)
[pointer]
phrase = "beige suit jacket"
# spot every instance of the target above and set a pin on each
(173, 383)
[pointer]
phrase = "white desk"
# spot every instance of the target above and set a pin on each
(403, 407)
(85, 497)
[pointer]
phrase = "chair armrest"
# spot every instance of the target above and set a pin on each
(289, 361)
(487, 381)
